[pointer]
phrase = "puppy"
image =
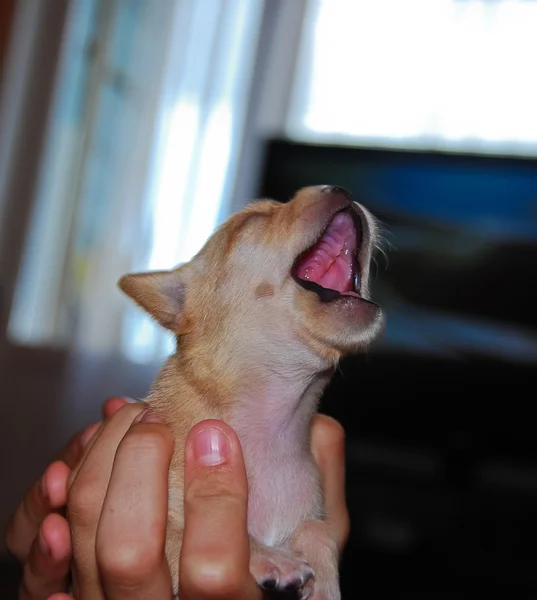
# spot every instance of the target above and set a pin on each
(262, 315)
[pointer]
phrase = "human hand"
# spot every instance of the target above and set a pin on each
(328, 449)
(37, 535)
(118, 508)
(116, 551)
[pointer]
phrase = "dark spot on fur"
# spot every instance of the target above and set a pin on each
(264, 290)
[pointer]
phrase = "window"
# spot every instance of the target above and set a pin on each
(141, 150)
(442, 74)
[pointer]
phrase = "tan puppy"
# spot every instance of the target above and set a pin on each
(262, 314)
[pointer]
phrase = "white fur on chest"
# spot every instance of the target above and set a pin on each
(283, 480)
(283, 492)
(273, 427)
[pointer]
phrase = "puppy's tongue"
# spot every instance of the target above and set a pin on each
(330, 262)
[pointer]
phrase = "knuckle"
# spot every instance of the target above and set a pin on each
(148, 440)
(214, 488)
(83, 501)
(213, 578)
(126, 563)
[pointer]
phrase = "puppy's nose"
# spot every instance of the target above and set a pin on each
(336, 189)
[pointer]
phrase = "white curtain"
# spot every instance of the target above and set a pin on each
(444, 74)
(142, 152)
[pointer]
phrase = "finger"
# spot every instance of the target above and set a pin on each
(45, 496)
(215, 553)
(74, 450)
(72, 453)
(86, 496)
(328, 448)
(90, 435)
(60, 597)
(131, 538)
(112, 405)
(47, 567)
(54, 482)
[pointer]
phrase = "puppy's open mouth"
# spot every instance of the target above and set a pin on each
(330, 268)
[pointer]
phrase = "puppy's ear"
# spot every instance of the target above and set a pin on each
(160, 293)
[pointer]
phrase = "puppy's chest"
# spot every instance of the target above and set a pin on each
(283, 490)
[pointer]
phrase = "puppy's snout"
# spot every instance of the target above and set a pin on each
(336, 189)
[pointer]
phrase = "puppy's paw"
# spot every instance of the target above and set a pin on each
(280, 570)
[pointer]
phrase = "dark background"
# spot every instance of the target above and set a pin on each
(442, 461)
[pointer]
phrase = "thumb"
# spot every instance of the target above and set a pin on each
(215, 554)
(328, 447)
